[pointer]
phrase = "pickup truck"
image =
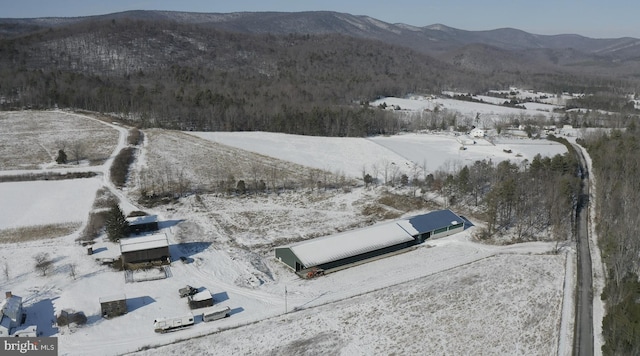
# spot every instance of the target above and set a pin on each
(187, 291)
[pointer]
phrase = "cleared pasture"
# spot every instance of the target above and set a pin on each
(31, 139)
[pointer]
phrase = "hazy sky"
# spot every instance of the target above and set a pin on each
(592, 18)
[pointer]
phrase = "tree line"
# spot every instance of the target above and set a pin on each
(528, 200)
(617, 168)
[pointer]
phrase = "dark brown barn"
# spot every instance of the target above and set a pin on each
(113, 306)
(143, 249)
(201, 299)
(143, 224)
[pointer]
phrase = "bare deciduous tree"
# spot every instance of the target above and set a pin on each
(43, 263)
(78, 151)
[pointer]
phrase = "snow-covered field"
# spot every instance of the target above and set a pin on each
(408, 152)
(53, 202)
(478, 308)
(466, 108)
(31, 140)
(448, 296)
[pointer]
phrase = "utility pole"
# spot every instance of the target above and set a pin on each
(285, 299)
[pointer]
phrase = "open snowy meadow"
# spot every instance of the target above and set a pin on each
(448, 296)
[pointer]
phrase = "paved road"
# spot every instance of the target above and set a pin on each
(583, 335)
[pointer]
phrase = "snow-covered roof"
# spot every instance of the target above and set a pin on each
(203, 295)
(140, 220)
(143, 243)
(12, 307)
(351, 243)
(334, 247)
(113, 298)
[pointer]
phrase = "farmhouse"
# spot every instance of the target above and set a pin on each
(143, 224)
(145, 249)
(113, 306)
(12, 316)
(344, 249)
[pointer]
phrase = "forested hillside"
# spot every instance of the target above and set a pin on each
(195, 77)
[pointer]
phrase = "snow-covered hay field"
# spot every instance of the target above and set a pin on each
(31, 139)
(204, 164)
(447, 296)
(51, 202)
(411, 153)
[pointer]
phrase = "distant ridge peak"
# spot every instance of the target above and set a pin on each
(438, 27)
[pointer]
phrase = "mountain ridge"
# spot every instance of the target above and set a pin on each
(322, 22)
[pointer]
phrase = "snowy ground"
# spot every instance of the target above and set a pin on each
(409, 152)
(62, 201)
(448, 296)
(477, 308)
(467, 108)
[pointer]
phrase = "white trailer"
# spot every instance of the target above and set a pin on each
(215, 314)
(164, 325)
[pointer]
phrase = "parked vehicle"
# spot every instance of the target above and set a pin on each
(219, 313)
(187, 291)
(164, 325)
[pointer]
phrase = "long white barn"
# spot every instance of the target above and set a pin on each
(347, 248)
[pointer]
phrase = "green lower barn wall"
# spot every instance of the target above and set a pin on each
(450, 230)
(286, 256)
(365, 256)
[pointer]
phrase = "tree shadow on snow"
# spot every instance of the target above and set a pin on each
(57, 259)
(99, 249)
(94, 319)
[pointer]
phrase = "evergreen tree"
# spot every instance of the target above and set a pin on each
(463, 180)
(116, 225)
(62, 157)
(368, 179)
(404, 180)
(241, 187)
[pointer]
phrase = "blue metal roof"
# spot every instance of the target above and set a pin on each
(434, 220)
